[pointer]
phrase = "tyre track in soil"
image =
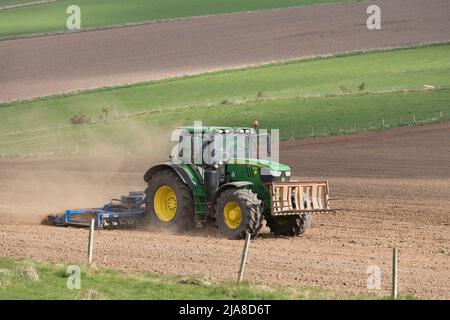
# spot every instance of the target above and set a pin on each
(390, 194)
(48, 65)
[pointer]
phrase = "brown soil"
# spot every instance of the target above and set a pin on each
(50, 65)
(394, 188)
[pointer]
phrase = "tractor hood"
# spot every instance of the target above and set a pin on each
(261, 163)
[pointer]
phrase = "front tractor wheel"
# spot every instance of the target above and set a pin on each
(289, 225)
(238, 211)
(170, 203)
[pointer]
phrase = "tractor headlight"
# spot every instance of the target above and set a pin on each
(275, 173)
(287, 173)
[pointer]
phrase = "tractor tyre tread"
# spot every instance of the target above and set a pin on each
(292, 226)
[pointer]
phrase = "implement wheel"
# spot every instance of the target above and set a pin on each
(238, 211)
(289, 225)
(169, 202)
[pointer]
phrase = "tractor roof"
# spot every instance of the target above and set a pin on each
(214, 128)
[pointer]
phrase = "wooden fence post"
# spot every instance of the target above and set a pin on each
(244, 257)
(394, 274)
(91, 242)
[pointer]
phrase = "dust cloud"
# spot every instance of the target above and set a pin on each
(106, 167)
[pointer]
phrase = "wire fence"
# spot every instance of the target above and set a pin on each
(23, 149)
(359, 126)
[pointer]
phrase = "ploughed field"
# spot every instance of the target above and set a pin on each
(393, 187)
(38, 66)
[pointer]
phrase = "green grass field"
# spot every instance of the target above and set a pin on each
(315, 97)
(51, 17)
(25, 279)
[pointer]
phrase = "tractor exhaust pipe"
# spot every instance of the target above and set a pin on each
(212, 181)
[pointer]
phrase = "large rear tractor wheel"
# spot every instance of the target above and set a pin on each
(238, 211)
(289, 225)
(169, 202)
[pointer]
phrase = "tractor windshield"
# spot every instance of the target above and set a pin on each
(240, 144)
(223, 145)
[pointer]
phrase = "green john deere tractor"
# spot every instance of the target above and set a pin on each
(238, 194)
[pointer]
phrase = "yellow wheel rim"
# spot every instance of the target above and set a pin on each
(232, 214)
(165, 203)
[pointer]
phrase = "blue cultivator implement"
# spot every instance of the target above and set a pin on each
(126, 212)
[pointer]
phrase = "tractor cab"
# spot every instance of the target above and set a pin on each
(209, 145)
